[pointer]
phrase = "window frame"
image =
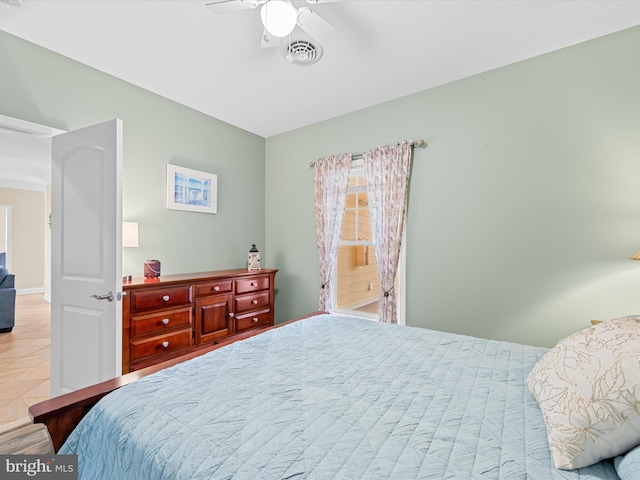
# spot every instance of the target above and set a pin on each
(357, 169)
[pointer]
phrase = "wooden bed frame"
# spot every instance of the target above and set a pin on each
(62, 414)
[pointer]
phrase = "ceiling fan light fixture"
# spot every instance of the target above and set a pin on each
(279, 17)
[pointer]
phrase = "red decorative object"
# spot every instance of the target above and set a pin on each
(152, 268)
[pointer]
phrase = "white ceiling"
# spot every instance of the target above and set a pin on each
(381, 50)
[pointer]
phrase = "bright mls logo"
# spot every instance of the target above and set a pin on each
(51, 467)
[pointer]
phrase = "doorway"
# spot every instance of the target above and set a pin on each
(84, 161)
(25, 172)
(25, 166)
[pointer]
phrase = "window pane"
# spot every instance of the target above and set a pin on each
(349, 225)
(351, 200)
(356, 181)
(357, 275)
(364, 224)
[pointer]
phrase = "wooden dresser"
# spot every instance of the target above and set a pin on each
(171, 315)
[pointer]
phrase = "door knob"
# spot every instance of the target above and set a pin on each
(105, 296)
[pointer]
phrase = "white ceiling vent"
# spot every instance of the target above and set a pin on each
(301, 52)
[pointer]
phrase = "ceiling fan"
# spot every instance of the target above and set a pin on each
(280, 18)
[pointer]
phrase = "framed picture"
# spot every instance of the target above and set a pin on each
(191, 190)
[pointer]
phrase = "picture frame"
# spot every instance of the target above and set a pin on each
(191, 190)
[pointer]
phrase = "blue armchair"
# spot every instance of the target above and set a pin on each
(7, 300)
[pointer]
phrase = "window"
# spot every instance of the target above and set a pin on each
(356, 274)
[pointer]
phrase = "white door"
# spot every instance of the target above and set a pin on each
(86, 241)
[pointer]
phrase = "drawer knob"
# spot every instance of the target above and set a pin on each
(254, 284)
(216, 288)
(231, 314)
(254, 301)
(254, 319)
(165, 321)
(165, 344)
(165, 298)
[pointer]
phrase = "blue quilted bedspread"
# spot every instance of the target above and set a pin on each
(329, 398)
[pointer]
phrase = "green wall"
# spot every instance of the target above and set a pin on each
(43, 87)
(523, 209)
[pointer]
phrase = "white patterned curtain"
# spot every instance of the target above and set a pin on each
(331, 184)
(387, 174)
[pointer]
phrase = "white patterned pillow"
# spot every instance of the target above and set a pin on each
(588, 388)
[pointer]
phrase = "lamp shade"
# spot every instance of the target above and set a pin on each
(279, 17)
(129, 234)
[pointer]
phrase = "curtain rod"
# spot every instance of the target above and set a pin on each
(418, 143)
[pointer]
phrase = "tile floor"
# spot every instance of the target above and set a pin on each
(24, 359)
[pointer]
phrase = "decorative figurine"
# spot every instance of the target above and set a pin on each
(254, 258)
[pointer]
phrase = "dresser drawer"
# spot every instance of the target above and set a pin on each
(253, 320)
(144, 324)
(213, 288)
(254, 284)
(160, 344)
(255, 301)
(160, 298)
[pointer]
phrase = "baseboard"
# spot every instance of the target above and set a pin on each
(29, 291)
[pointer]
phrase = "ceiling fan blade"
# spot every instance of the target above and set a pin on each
(268, 40)
(312, 23)
(231, 6)
(13, 3)
(314, 2)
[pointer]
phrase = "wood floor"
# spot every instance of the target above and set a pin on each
(24, 359)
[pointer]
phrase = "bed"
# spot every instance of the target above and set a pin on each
(329, 397)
